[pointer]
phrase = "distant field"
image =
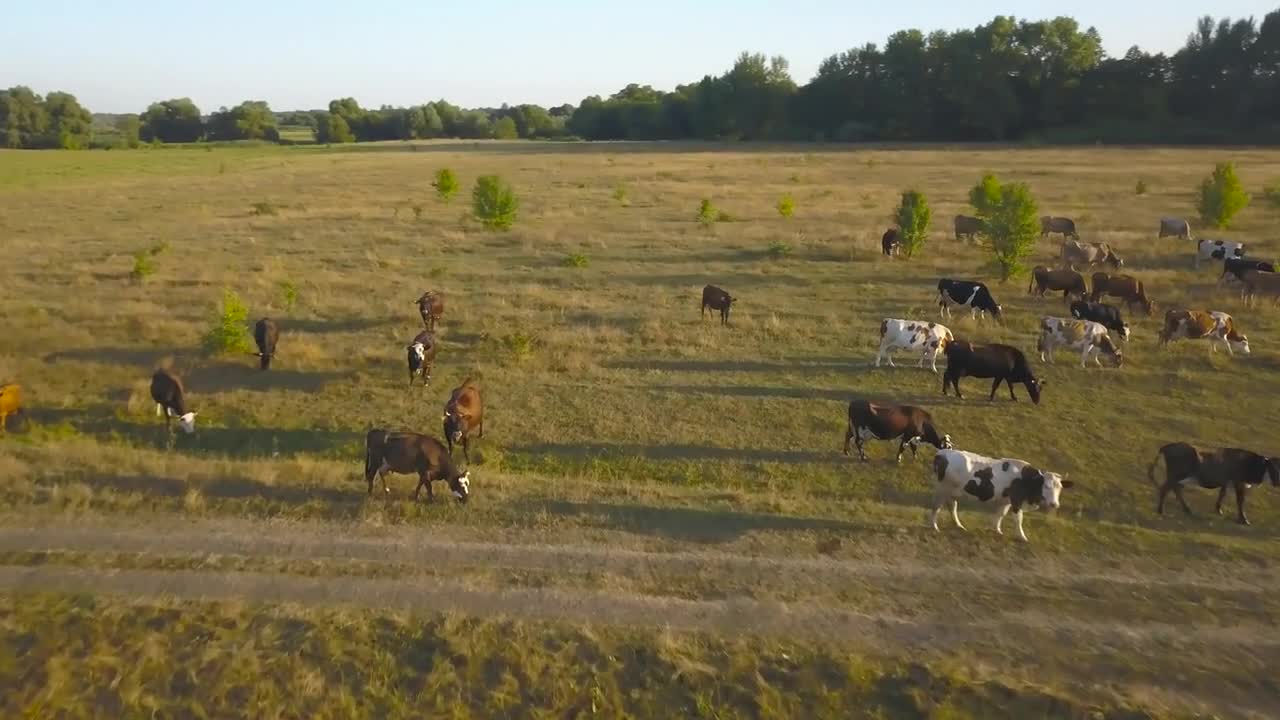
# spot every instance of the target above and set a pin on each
(649, 482)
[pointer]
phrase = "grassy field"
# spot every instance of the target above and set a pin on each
(651, 485)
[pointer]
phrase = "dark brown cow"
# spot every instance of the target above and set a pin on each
(891, 242)
(1214, 469)
(868, 421)
(717, 299)
(1069, 282)
(422, 356)
(171, 401)
(266, 335)
(411, 453)
(1124, 287)
(463, 413)
(967, 226)
(1062, 225)
(1004, 363)
(431, 308)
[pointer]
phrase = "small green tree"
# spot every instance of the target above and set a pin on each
(1010, 222)
(446, 184)
(143, 266)
(1222, 195)
(786, 206)
(288, 295)
(228, 331)
(913, 216)
(494, 203)
(707, 212)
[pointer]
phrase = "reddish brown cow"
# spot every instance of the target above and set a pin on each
(431, 308)
(462, 414)
(1069, 282)
(868, 421)
(1125, 287)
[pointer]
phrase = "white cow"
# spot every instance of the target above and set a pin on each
(928, 337)
(1218, 250)
(1014, 483)
(1090, 338)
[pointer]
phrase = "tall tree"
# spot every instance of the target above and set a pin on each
(172, 121)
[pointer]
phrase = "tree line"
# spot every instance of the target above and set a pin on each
(1006, 80)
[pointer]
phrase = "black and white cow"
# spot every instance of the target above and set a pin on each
(1218, 250)
(969, 293)
(1108, 316)
(171, 401)
(421, 356)
(1012, 483)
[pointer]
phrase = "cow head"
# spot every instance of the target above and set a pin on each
(1124, 331)
(1051, 493)
(1034, 386)
(461, 486)
(1041, 488)
(946, 442)
(453, 427)
(998, 313)
(1239, 343)
(417, 354)
(187, 422)
(1113, 259)
(1272, 466)
(1108, 346)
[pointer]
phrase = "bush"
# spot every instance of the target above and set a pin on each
(780, 249)
(620, 194)
(288, 295)
(519, 345)
(575, 260)
(1221, 196)
(143, 265)
(264, 208)
(446, 184)
(1272, 194)
(1140, 188)
(786, 206)
(228, 331)
(707, 212)
(913, 216)
(494, 203)
(1010, 220)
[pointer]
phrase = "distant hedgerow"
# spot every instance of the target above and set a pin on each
(228, 331)
(494, 203)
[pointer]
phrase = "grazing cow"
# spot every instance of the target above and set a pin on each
(422, 356)
(927, 337)
(1105, 315)
(1015, 483)
(867, 420)
(1218, 250)
(1069, 282)
(1236, 268)
(10, 403)
(717, 299)
(1261, 283)
(431, 308)
(967, 226)
(171, 401)
(1220, 469)
(411, 453)
(1089, 337)
(1076, 253)
(463, 413)
(1176, 227)
(1125, 287)
(966, 292)
(1200, 324)
(1004, 363)
(891, 242)
(1064, 226)
(266, 334)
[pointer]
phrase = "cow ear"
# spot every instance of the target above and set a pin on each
(1067, 483)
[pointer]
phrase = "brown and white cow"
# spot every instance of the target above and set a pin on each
(1090, 338)
(431, 308)
(1045, 280)
(1214, 326)
(1234, 468)
(1013, 483)
(891, 242)
(412, 454)
(1125, 287)
(929, 338)
(1085, 254)
(871, 421)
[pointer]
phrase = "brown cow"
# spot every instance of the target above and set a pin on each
(10, 403)
(891, 242)
(967, 226)
(1065, 226)
(462, 413)
(868, 420)
(422, 356)
(1213, 469)
(1214, 326)
(1125, 287)
(431, 308)
(1069, 282)
(1260, 282)
(717, 299)
(1088, 254)
(410, 453)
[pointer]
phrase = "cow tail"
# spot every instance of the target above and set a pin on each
(1151, 469)
(369, 463)
(1031, 282)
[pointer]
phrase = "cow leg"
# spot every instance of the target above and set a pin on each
(1017, 515)
(995, 386)
(1222, 495)
(482, 428)
(955, 512)
(1004, 510)
(933, 361)
(1240, 491)
(902, 446)
(1164, 492)
(466, 447)
(1177, 492)
(940, 497)
(857, 439)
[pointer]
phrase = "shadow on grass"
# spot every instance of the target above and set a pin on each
(148, 358)
(225, 376)
(783, 366)
(676, 452)
(686, 524)
(339, 325)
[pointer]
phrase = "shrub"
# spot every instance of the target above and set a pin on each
(1272, 194)
(446, 184)
(707, 212)
(519, 345)
(620, 194)
(264, 208)
(494, 203)
(228, 331)
(575, 260)
(780, 249)
(913, 216)
(1140, 188)
(143, 265)
(1221, 196)
(288, 295)
(1010, 222)
(786, 206)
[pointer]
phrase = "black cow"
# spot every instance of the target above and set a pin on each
(411, 453)
(891, 242)
(171, 401)
(868, 420)
(973, 294)
(1214, 469)
(422, 356)
(1004, 363)
(1108, 316)
(1237, 267)
(266, 334)
(717, 299)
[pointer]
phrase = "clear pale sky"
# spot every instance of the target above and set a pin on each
(119, 56)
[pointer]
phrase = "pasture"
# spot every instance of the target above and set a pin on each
(662, 522)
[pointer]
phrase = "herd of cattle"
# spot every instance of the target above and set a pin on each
(1094, 329)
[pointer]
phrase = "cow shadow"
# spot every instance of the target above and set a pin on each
(132, 357)
(225, 376)
(753, 391)
(685, 524)
(808, 366)
(341, 325)
(676, 452)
